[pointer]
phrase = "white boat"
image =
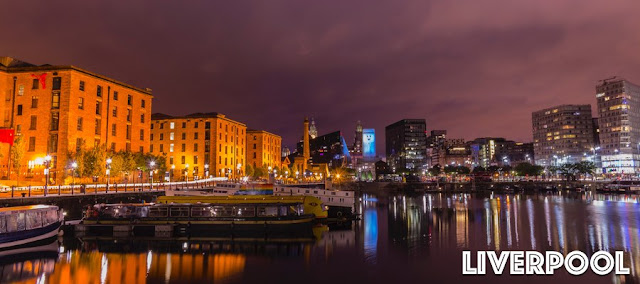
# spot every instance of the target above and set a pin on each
(336, 200)
(23, 225)
(226, 189)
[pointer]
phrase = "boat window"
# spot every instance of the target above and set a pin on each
(158, 212)
(306, 191)
(283, 210)
(52, 217)
(246, 211)
(12, 223)
(21, 221)
(201, 212)
(180, 212)
(33, 220)
(315, 192)
(222, 211)
(333, 193)
(267, 211)
(3, 225)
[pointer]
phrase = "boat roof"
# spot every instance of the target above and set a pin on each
(27, 207)
(234, 199)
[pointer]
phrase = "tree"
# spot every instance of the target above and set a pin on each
(524, 169)
(17, 155)
(94, 162)
(479, 169)
(248, 170)
(435, 170)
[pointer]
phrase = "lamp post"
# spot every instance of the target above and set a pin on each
(47, 162)
(186, 172)
(173, 167)
(74, 166)
(239, 169)
(151, 165)
(108, 171)
(206, 171)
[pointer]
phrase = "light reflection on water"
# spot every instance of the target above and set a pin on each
(400, 238)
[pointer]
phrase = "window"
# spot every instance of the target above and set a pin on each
(19, 110)
(161, 136)
(161, 148)
(32, 144)
(171, 160)
(151, 126)
(195, 147)
(34, 102)
(162, 125)
(171, 125)
(113, 129)
(195, 124)
(18, 129)
(195, 135)
(98, 108)
(53, 144)
(254, 155)
(99, 91)
(195, 160)
(141, 149)
(113, 146)
(127, 146)
(129, 100)
(55, 118)
(184, 147)
(98, 126)
(141, 134)
(207, 125)
(171, 148)
(142, 118)
(128, 132)
(151, 136)
(183, 160)
(128, 115)
(80, 103)
(184, 125)
(115, 95)
(57, 82)
(81, 86)
(171, 136)
(254, 145)
(184, 136)
(79, 127)
(34, 84)
(55, 100)
(115, 111)
(34, 122)
(143, 104)
(151, 148)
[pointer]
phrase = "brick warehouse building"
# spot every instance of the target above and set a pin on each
(200, 142)
(54, 108)
(263, 149)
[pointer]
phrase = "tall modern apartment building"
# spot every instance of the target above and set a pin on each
(563, 134)
(619, 123)
(406, 144)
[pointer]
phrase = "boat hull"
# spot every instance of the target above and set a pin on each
(22, 238)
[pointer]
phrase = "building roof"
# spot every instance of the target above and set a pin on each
(12, 65)
(249, 130)
(162, 116)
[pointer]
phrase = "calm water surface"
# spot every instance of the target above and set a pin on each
(399, 239)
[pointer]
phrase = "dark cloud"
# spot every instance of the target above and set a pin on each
(475, 68)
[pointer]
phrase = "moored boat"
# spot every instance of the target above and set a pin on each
(24, 225)
(340, 203)
(200, 218)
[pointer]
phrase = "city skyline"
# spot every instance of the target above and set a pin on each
(347, 64)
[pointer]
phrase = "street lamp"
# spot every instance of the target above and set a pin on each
(151, 165)
(108, 171)
(74, 166)
(47, 162)
(186, 172)
(206, 170)
(173, 167)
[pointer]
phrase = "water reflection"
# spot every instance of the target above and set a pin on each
(400, 238)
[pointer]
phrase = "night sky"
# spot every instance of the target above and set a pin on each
(475, 68)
